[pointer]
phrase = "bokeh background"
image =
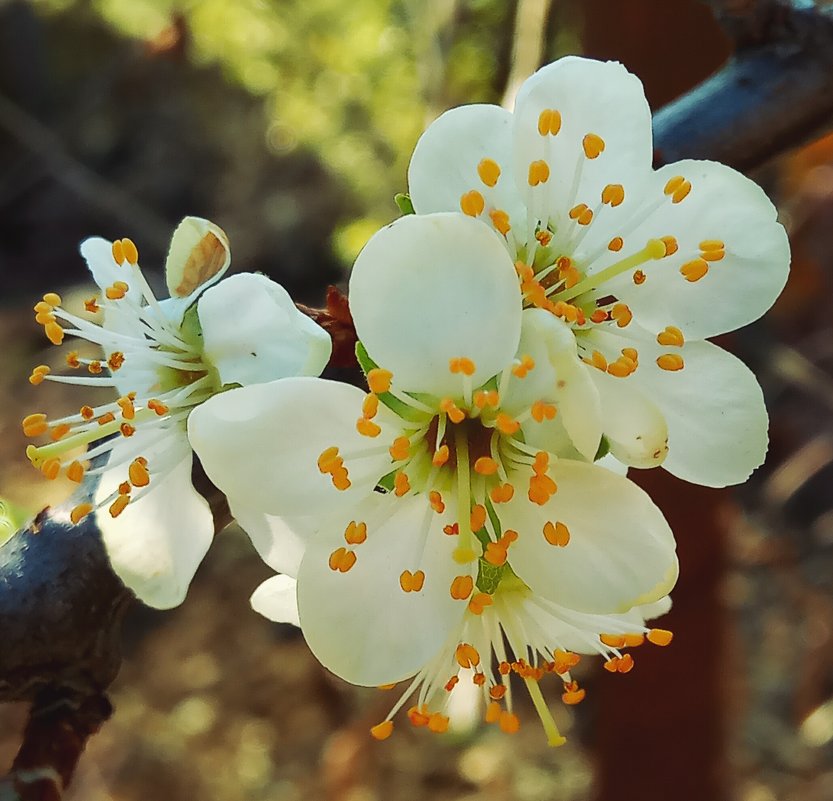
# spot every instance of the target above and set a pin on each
(290, 124)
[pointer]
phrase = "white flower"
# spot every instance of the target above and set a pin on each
(447, 491)
(164, 358)
(642, 265)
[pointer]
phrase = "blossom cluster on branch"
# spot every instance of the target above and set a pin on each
(536, 326)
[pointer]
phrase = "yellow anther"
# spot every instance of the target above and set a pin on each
(367, 428)
(341, 560)
(670, 361)
(496, 554)
(60, 431)
(438, 723)
(117, 291)
(462, 365)
(485, 466)
(52, 298)
(478, 517)
(355, 533)
(472, 203)
(593, 145)
(450, 408)
(632, 354)
(671, 246)
(80, 512)
(54, 332)
(503, 493)
(436, 501)
(462, 587)
(539, 172)
(598, 360)
(75, 472)
(158, 407)
(543, 237)
(673, 184)
(622, 314)
(50, 468)
(39, 374)
(131, 252)
(138, 473)
(419, 716)
(34, 425)
(72, 360)
(478, 602)
(400, 450)
(411, 582)
(467, 655)
(613, 640)
(506, 424)
(613, 194)
(660, 637)
(383, 730)
(128, 410)
(94, 367)
(712, 244)
(681, 192)
(329, 460)
(509, 722)
(127, 430)
(542, 411)
(526, 364)
(370, 406)
(401, 484)
(713, 255)
(634, 640)
(484, 398)
(621, 368)
(577, 211)
(493, 712)
(639, 277)
(549, 122)
(91, 305)
(612, 664)
(500, 220)
(42, 307)
(616, 244)
(671, 336)
(625, 664)
(341, 479)
(87, 412)
(572, 694)
(489, 171)
(118, 252)
(440, 456)
(119, 505)
(105, 418)
(599, 316)
(556, 534)
(115, 360)
(44, 318)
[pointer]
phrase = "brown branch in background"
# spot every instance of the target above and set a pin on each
(527, 45)
(336, 320)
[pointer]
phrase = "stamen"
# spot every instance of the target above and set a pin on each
(379, 380)
(694, 270)
(411, 582)
(401, 449)
(138, 473)
(472, 203)
(436, 501)
(622, 314)
(549, 122)
(671, 336)
(383, 730)
(539, 172)
(367, 428)
(509, 722)
(671, 246)
(34, 425)
(671, 362)
(80, 512)
(593, 145)
(341, 560)
(441, 456)
(613, 195)
(554, 736)
(461, 587)
(639, 277)
(401, 484)
(485, 466)
(616, 244)
(661, 637)
(462, 365)
(573, 694)
(52, 298)
(489, 172)
(500, 220)
(558, 534)
(119, 505)
(355, 533)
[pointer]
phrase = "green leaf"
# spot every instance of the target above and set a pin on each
(403, 201)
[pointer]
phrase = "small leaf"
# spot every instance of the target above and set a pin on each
(403, 201)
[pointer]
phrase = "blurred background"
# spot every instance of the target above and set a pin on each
(290, 124)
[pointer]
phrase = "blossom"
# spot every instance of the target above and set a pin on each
(439, 496)
(163, 359)
(642, 265)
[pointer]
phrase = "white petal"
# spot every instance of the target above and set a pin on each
(656, 609)
(611, 463)
(276, 599)
(98, 253)
(592, 97)
(714, 408)
(360, 624)
(260, 444)
(253, 332)
(445, 163)
(725, 206)
(198, 256)
(428, 289)
(621, 552)
(156, 544)
(635, 428)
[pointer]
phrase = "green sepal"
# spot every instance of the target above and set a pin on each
(403, 201)
(394, 404)
(489, 576)
(604, 449)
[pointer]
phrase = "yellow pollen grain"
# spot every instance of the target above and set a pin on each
(367, 428)
(670, 361)
(34, 425)
(441, 456)
(506, 424)
(54, 332)
(613, 194)
(478, 517)
(671, 246)
(489, 171)
(639, 277)
(509, 722)
(383, 730)
(472, 203)
(622, 314)
(370, 406)
(355, 533)
(671, 337)
(539, 172)
(549, 122)
(660, 637)
(119, 505)
(131, 252)
(379, 379)
(401, 484)
(593, 145)
(118, 252)
(461, 587)
(436, 501)
(462, 365)
(673, 184)
(616, 244)
(52, 298)
(80, 512)
(681, 192)
(138, 474)
(478, 602)
(500, 220)
(401, 449)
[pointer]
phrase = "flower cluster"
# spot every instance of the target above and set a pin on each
(537, 327)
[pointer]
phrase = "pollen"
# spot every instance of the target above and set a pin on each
(379, 379)
(616, 244)
(694, 270)
(119, 505)
(54, 332)
(341, 560)
(634, 640)
(52, 298)
(671, 336)
(660, 637)
(80, 512)
(521, 369)
(51, 468)
(472, 203)
(496, 554)
(622, 314)
(671, 246)
(91, 305)
(549, 122)
(557, 534)
(400, 450)
(39, 374)
(670, 361)
(639, 277)
(383, 730)
(478, 517)
(598, 360)
(370, 406)
(582, 214)
(158, 407)
(542, 411)
(599, 316)
(450, 408)
(506, 424)
(131, 252)
(613, 194)
(75, 472)
(461, 587)
(485, 466)
(478, 602)
(462, 365)
(681, 192)
(118, 252)
(440, 456)
(484, 398)
(613, 640)
(436, 501)
(34, 425)
(500, 220)
(593, 145)
(539, 172)
(355, 533)
(673, 184)
(401, 484)
(329, 459)
(60, 431)
(509, 722)
(117, 291)
(502, 493)
(572, 694)
(467, 656)
(138, 473)
(411, 582)
(489, 171)
(367, 428)
(128, 410)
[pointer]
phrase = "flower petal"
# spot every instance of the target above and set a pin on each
(723, 207)
(276, 600)
(98, 253)
(450, 156)
(428, 289)
(271, 340)
(156, 544)
(714, 408)
(595, 98)
(198, 256)
(260, 444)
(360, 624)
(620, 554)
